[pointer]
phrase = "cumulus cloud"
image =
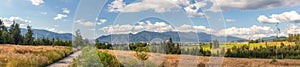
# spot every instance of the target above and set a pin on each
(84, 23)
(193, 9)
(154, 27)
(37, 2)
(60, 16)
(66, 10)
(291, 16)
(253, 32)
(159, 6)
(101, 21)
(116, 6)
(8, 21)
(227, 5)
(54, 30)
(191, 28)
(265, 19)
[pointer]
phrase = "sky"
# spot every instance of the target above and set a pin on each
(241, 18)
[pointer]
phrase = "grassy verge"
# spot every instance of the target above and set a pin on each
(31, 56)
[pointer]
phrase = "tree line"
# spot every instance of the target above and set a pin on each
(245, 51)
(282, 52)
(12, 35)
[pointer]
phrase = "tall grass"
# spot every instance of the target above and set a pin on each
(31, 56)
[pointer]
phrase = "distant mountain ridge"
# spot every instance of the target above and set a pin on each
(272, 38)
(39, 33)
(143, 36)
(147, 36)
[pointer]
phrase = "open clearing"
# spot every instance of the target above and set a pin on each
(188, 60)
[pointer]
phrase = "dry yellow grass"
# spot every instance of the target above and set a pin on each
(188, 60)
(31, 56)
(279, 43)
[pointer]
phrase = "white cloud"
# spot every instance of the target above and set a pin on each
(253, 32)
(66, 10)
(53, 30)
(265, 19)
(9, 21)
(193, 9)
(155, 27)
(227, 5)
(116, 6)
(159, 6)
(84, 23)
(291, 16)
(60, 16)
(37, 2)
(140, 23)
(101, 21)
(190, 28)
(230, 20)
(125, 29)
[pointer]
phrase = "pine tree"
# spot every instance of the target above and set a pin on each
(11, 33)
(28, 40)
(17, 37)
(4, 34)
(78, 39)
(1, 24)
(4, 37)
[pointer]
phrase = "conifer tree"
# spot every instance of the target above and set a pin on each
(28, 40)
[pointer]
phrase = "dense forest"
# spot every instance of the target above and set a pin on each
(12, 35)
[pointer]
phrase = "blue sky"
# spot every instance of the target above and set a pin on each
(240, 16)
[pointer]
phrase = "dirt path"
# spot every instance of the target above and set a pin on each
(66, 61)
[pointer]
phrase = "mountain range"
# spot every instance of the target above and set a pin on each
(147, 36)
(143, 36)
(39, 33)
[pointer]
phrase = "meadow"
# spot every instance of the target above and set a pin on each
(119, 58)
(232, 44)
(31, 56)
(175, 60)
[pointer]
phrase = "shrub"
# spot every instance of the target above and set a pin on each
(273, 60)
(109, 60)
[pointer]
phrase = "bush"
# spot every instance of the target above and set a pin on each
(273, 60)
(201, 65)
(109, 60)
